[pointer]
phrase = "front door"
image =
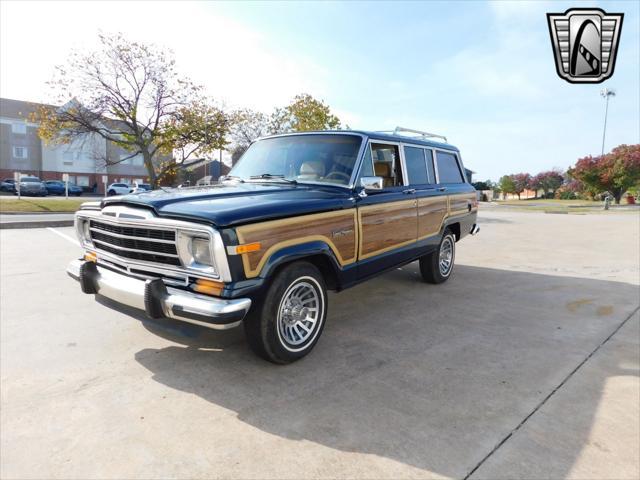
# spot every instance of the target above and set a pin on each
(388, 218)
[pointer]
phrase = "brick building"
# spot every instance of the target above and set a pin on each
(21, 150)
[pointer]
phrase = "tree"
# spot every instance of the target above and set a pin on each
(506, 184)
(549, 181)
(131, 95)
(614, 172)
(521, 182)
(246, 126)
(304, 114)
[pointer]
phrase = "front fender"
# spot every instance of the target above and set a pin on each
(299, 252)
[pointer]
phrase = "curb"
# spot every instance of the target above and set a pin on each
(44, 224)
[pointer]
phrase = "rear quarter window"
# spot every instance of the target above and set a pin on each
(448, 169)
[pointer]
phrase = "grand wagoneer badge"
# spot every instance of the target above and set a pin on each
(585, 43)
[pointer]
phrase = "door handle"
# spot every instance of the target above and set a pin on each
(409, 191)
(442, 189)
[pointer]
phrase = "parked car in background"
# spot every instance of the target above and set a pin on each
(140, 188)
(32, 186)
(8, 185)
(299, 214)
(57, 187)
(118, 189)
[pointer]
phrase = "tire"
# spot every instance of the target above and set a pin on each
(280, 328)
(434, 270)
(111, 193)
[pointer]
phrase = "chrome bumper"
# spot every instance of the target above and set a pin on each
(157, 300)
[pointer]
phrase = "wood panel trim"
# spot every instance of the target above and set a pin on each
(381, 206)
(303, 220)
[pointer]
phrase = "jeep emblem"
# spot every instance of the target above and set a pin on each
(585, 43)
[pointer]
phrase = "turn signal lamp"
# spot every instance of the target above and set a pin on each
(248, 248)
(208, 287)
(91, 257)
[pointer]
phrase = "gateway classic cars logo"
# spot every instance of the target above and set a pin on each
(585, 43)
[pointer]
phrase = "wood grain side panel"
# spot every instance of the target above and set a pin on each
(336, 229)
(459, 203)
(386, 226)
(431, 214)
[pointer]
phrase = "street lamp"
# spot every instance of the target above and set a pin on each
(606, 93)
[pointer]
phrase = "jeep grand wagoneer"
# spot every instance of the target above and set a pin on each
(298, 215)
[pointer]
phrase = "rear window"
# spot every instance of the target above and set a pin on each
(30, 180)
(448, 170)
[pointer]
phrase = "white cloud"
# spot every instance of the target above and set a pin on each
(236, 64)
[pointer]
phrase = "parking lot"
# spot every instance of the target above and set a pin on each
(524, 365)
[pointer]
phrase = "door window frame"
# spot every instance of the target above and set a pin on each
(403, 166)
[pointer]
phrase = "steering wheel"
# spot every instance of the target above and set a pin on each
(338, 174)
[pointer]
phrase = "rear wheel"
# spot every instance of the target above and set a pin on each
(287, 324)
(436, 267)
(111, 193)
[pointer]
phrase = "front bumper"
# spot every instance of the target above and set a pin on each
(157, 300)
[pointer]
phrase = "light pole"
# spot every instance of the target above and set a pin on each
(606, 93)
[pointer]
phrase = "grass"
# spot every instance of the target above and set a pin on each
(29, 204)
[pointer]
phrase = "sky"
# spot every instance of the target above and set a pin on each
(481, 73)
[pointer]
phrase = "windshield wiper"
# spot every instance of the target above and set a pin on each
(271, 176)
(233, 177)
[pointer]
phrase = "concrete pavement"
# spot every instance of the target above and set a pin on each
(525, 364)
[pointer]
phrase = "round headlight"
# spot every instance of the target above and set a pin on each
(201, 251)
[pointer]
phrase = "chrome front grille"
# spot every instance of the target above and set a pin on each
(137, 243)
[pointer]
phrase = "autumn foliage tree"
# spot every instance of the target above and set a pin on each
(521, 182)
(614, 172)
(549, 182)
(131, 95)
(304, 113)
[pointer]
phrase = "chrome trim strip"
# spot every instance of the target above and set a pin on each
(148, 252)
(144, 239)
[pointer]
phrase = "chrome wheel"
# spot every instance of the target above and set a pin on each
(300, 313)
(445, 260)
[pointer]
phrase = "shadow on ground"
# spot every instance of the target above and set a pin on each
(431, 376)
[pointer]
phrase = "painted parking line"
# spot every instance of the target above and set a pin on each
(64, 235)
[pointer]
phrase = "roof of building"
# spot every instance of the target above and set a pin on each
(19, 109)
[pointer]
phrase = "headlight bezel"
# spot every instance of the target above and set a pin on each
(185, 240)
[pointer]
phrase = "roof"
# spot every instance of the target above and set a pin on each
(378, 136)
(19, 109)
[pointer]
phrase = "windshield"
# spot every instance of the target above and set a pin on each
(313, 158)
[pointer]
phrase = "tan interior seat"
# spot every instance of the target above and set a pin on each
(383, 169)
(312, 170)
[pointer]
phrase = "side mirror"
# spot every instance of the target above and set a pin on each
(372, 184)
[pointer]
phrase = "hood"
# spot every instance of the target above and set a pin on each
(231, 204)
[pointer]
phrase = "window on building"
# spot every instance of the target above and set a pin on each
(68, 157)
(19, 128)
(138, 160)
(448, 170)
(82, 181)
(20, 152)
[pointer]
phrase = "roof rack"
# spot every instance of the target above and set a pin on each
(422, 135)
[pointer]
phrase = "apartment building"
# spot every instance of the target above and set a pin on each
(86, 161)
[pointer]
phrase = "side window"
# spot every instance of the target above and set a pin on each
(416, 165)
(448, 170)
(430, 169)
(367, 164)
(386, 164)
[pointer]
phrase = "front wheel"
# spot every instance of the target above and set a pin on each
(436, 267)
(287, 324)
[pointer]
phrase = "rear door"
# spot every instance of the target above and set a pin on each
(388, 218)
(431, 200)
(452, 181)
